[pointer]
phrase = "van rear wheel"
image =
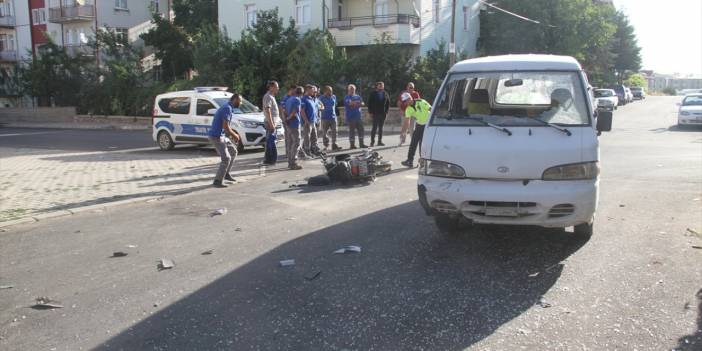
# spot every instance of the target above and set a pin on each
(583, 231)
(165, 142)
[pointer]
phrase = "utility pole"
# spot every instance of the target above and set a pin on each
(452, 44)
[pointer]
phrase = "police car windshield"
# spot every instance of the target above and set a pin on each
(512, 99)
(245, 107)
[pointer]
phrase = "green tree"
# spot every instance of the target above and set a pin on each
(316, 59)
(214, 57)
(194, 15)
(173, 47)
(636, 80)
(429, 71)
(54, 76)
(625, 47)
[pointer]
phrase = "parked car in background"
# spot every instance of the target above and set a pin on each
(185, 117)
(629, 95)
(690, 112)
(639, 93)
(606, 99)
(620, 90)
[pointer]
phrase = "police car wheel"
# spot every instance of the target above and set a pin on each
(240, 146)
(583, 231)
(165, 142)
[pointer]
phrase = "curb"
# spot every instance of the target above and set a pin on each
(63, 213)
(75, 126)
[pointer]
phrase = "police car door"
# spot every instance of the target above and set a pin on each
(203, 119)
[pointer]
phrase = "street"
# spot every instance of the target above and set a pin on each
(636, 285)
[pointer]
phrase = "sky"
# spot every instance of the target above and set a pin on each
(669, 33)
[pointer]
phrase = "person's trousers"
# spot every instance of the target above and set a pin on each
(378, 123)
(271, 155)
(227, 153)
(327, 126)
(309, 138)
(292, 144)
(416, 141)
(355, 126)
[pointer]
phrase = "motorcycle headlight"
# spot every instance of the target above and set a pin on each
(578, 171)
(440, 169)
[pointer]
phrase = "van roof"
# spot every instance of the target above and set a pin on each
(211, 94)
(518, 62)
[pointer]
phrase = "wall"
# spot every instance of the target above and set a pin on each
(23, 30)
(232, 15)
(138, 13)
(433, 32)
(39, 114)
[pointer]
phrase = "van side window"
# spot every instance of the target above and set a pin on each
(177, 105)
(203, 106)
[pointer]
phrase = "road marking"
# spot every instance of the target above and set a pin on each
(25, 134)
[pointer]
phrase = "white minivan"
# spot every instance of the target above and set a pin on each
(185, 117)
(513, 140)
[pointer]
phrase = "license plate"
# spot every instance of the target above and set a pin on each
(501, 212)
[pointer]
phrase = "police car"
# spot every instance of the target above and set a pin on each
(185, 117)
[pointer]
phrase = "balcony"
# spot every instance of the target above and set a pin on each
(75, 50)
(7, 21)
(74, 13)
(357, 31)
(8, 56)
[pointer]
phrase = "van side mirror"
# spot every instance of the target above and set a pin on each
(604, 121)
(211, 112)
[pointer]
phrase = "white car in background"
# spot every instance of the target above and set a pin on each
(185, 117)
(606, 99)
(690, 112)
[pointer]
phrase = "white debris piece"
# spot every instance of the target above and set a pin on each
(348, 249)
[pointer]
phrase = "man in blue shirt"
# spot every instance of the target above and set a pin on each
(293, 106)
(328, 100)
(225, 139)
(310, 109)
(352, 109)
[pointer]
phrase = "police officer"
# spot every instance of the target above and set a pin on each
(417, 109)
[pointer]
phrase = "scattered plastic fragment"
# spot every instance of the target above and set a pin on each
(543, 303)
(131, 246)
(290, 219)
(165, 263)
(534, 275)
(313, 275)
(287, 263)
(219, 212)
(119, 254)
(45, 303)
(697, 247)
(622, 205)
(208, 252)
(3, 287)
(693, 232)
(238, 229)
(348, 249)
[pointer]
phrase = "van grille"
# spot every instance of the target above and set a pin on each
(561, 210)
(502, 204)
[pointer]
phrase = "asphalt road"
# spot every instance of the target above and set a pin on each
(74, 139)
(636, 285)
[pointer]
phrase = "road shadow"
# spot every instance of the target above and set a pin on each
(677, 128)
(410, 288)
(693, 342)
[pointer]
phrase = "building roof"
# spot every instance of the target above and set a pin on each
(518, 62)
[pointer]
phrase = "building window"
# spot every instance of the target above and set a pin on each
(302, 12)
(466, 17)
(250, 15)
(38, 16)
(340, 9)
(154, 6)
(121, 4)
(381, 8)
(6, 9)
(4, 45)
(121, 33)
(437, 7)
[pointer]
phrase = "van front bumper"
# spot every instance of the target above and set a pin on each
(536, 202)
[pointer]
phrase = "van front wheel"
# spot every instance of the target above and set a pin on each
(583, 231)
(446, 223)
(165, 142)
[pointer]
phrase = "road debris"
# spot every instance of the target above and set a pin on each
(208, 252)
(219, 212)
(132, 246)
(165, 263)
(118, 254)
(287, 263)
(348, 249)
(238, 229)
(693, 232)
(534, 275)
(3, 287)
(290, 219)
(697, 247)
(45, 303)
(313, 275)
(542, 302)
(622, 205)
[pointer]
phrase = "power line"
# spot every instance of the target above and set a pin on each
(515, 15)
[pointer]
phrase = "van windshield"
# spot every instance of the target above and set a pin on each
(245, 107)
(512, 99)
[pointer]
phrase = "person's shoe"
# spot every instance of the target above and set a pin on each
(218, 184)
(380, 143)
(407, 163)
(267, 163)
(336, 147)
(364, 146)
(295, 167)
(372, 143)
(353, 147)
(229, 178)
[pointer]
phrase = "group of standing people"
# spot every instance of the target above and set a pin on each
(304, 112)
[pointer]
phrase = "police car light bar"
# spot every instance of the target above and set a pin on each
(204, 89)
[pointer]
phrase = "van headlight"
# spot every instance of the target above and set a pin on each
(440, 169)
(578, 171)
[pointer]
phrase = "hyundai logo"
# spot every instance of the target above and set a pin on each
(503, 169)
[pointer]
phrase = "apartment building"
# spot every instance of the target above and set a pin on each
(14, 34)
(417, 24)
